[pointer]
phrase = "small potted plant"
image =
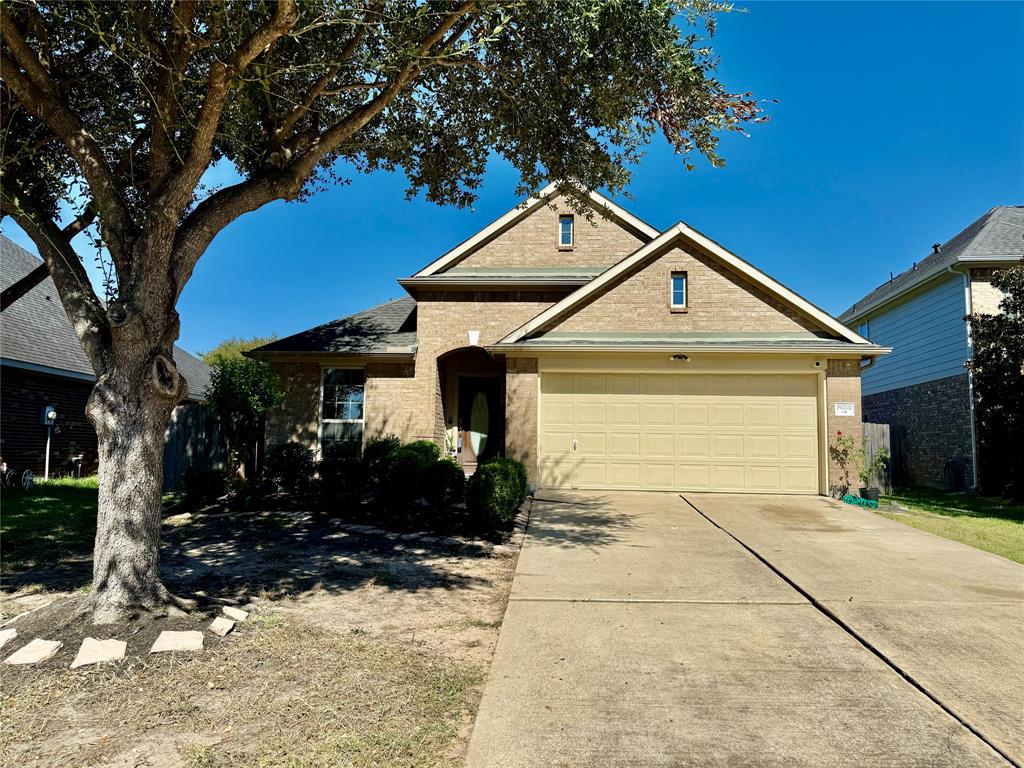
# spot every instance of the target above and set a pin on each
(870, 468)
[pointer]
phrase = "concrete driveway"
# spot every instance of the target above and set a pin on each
(639, 632)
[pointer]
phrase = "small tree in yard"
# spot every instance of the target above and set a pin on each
(113, 112)
(997, 368)
(240, 392)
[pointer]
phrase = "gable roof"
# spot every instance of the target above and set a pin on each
(644, 230)
(996, 236)
(681, 232)
(35, 332)
(387, 329)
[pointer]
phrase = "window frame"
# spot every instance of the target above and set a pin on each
(864, 329)
(320, 406)
(572, 230)
(672, 290)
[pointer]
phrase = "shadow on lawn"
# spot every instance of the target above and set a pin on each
(286, 553)
(234, 555)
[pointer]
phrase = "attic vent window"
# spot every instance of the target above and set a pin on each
(677, 296)
(565, 232)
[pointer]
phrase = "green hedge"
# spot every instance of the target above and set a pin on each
(444, 484)
(495, 492)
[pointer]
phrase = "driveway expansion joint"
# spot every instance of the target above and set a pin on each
(848, 629)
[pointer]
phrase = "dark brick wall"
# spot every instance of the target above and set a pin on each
(22, 397)
(930, 424)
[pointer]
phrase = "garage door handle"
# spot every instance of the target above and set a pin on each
(574, 446)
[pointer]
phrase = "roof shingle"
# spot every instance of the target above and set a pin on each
(1000, 232)
(36, 329)
(387, 328)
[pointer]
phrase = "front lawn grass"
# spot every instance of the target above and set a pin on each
(53, 522)
(989, 524)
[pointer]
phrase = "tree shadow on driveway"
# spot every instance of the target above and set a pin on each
(571, 520)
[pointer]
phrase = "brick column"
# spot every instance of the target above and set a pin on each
(521, 384)
(842, 384)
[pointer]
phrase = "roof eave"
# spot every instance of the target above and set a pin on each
(412, 283)
(280, 354)
(855, 313)
(854, 350)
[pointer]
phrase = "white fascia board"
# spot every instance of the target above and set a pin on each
(664, 240)
(770, 284)
(487, 232)
(606, 277)
(522, 210)
(621, 213)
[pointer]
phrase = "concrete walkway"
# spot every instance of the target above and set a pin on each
(639, 634)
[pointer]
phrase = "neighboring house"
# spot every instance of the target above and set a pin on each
(42, 363)
(923, 390)
(602, 354)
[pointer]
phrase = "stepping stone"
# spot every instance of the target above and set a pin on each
(221, 626)
(36, 651)
(168, 640)
(235, 613)
(94, 651)
(6, 635)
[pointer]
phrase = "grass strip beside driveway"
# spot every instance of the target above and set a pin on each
(989, 524)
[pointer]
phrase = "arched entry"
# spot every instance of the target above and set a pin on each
(473, 403)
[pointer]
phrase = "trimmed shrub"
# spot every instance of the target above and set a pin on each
(444, 484)
(343, 478)
(290, 467)
(378, 454)
(201, 486)
(425, 452)
(495, 492)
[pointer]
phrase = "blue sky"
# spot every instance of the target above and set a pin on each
(897, 125)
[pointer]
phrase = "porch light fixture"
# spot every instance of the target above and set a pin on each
(474, 338)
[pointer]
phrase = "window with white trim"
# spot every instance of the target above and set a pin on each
(341, 408)
(565, 233)
(677, 296)
(864, 329)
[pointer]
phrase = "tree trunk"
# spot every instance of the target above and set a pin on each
(130, 407)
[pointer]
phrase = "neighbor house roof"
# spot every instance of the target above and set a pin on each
(35, 332)
(996, 237)
(387, 329)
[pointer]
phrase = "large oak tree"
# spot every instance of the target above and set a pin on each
(112, 112)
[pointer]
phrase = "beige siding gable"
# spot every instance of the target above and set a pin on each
(533, 241)
(718, 299)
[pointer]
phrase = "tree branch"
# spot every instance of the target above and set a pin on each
(220, 209)
(181, 187)
(23, 285)
(39, 94)
(320, 86)
(76, 294)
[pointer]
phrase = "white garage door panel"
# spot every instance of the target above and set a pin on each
(751, 433)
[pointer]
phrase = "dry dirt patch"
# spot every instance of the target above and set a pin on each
(360, 652)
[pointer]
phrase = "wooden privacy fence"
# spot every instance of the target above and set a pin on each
(876, 437)
(192, 439)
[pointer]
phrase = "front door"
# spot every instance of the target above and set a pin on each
(480, 417)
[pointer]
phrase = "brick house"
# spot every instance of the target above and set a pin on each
(923, 390)
(42, 364)
(597, 350)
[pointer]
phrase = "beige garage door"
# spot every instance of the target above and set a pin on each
(740, 433)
